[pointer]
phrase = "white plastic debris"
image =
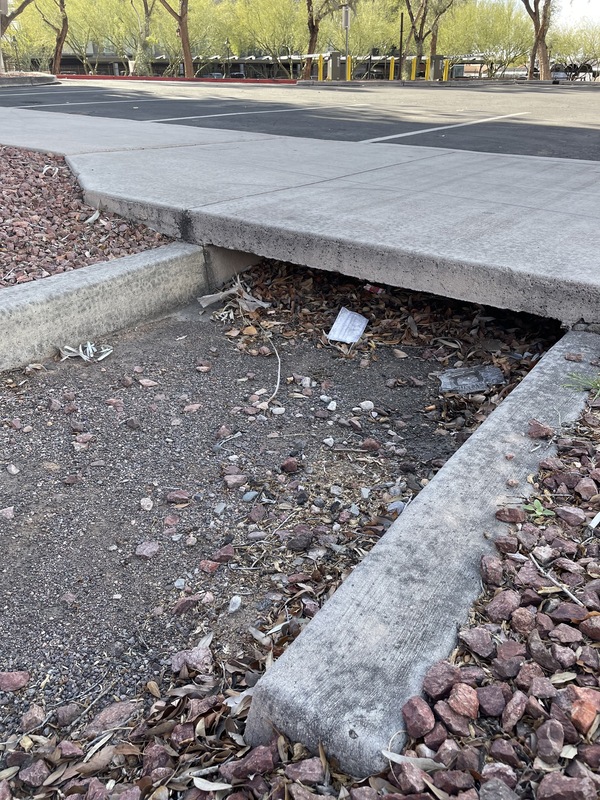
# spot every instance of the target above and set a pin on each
(348, 327)
(88, 352)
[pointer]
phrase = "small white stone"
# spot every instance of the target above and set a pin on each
(332, 406)
(365, 492)
(12, 469)
(146, 503)
(367, 405)
(324, 398)
(278, 411)
(234, 604)
(329, 441)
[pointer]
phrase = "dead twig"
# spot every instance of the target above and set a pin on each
(553, 580)
(93, 703)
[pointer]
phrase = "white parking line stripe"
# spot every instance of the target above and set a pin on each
(242, 113)
(442, 128)
(93, 103)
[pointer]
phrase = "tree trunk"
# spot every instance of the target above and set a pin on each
(532, 55)
(313, 36)
(434, 38)
(184, 35)
(61, 35)
(142, 63)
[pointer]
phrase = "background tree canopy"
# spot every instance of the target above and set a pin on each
(500, 33)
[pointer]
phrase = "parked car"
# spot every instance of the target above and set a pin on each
(214, 75)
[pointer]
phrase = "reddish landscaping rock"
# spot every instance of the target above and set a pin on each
(113, 716)
(537, 430)
(290, 465)
(503, 751)
(540, 653)
(503, 605)
(464, 701)
(501, 772)
(155, 757)
(495, 789)
(65, 715)
(5, 792)
(179, 496)
(259, 761)
(70, 749)
(586, 488)
(591, 628)
(567, 612)
(455, 723)
(550, 741)
(410, 778)
(35, 774)
(515, 708)
(558, 787)
(13, 681)
(438, 735)
(527, 675)
(308, 771)
(418, 717)
(364, 793)
(542, 688)
(492, 570)
(572, 515)
(479, 641)
(32, 718)
(511, 514)
(185, 604)
(453, 781)
(224, 555)
(491, 700)
(440, 678)
(523, 620)
(590, 755)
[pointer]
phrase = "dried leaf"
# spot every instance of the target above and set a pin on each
(211, 786)
(99, 762)
(426, 764)
(152, 687)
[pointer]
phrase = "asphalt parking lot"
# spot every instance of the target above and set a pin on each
(557, 121)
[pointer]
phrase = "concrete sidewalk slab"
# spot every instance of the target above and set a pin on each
(66, 134)
(344, 680)
(510, 231)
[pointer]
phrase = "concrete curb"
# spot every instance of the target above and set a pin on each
(344, 681)
(31, 80)
(77, 306)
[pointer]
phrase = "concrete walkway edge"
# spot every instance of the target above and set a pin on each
(344, 681)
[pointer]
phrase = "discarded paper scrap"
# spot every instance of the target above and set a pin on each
(348, 327)
(88, 352)
(466, 380)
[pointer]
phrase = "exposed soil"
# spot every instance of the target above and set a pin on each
(46, 228)
(90, 453)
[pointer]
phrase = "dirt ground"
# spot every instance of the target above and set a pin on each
(121, 540)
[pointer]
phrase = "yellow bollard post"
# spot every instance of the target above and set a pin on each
(320, 67)
(413, 70)
(392, 68)
(349, 68)
(446, 70)
(427, 68)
